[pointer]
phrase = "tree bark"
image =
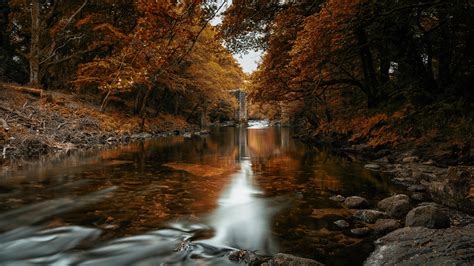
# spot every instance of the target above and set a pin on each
(370, 76)
(35, 45)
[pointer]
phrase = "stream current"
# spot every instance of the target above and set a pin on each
(188, 201)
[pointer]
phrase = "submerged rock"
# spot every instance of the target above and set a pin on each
(341, 224)
(372, 166)
(337, 198)
(427, 216)
(423, 246)
(356, 202)
(396, 206)
(360, 232)
(369, 216)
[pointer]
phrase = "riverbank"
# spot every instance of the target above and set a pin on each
(33, 126)
(434, 166)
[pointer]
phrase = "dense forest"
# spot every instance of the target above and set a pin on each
(131, 134)
(375, 73)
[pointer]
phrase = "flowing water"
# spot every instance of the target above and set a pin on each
(185, 201)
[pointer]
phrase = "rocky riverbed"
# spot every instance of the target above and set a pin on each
(430, 223)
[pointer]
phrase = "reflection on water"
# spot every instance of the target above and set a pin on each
(181, 200)
(242, 221)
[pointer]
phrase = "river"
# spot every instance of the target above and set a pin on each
(186, 201)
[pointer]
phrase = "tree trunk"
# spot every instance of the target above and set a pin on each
(367, 66)
(34, 45)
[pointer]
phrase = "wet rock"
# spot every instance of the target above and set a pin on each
(369, 216)
(427, 216)
(341, 224)
(383, 160)
(456, 190)
(419, 196)
(337, 198)
(282, 259)
(396, 206)
(360, 232)
(187, 135)
(410, 159)
(416, 188)
(423, 246)
(384, 226)
(246, 256)
(404, 181)
(356, 202)
(142, 135)
(372, 166)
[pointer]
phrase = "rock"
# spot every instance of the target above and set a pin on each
(396, 206)
(383, 160)
(341, 224)
(423, 246)
(418, 196)
(360, 232)
(369, 216)
(142, 135)
(404, 181)
(416, 188)
(372, 166)
(356, 202)
(281, 259)
(247, 257)
(456, 190)
(410, 159)
(384, 226)
(427, 216)
(187, 135)
(337, 198)
(429, 162)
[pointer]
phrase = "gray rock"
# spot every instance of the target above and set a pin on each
(418, 196)
(356, 202)
(423, 246)
(427, 216)
(362, 231)
(142, 135)
(416, 188)
(410, 159)
(383, 160)
(281, 259)
(341, 224)
(384, 226)
(372, 166)
(337, 198)
(369, 216)
(396, 206)
(456, 189)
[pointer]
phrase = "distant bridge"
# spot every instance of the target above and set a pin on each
(241, 113)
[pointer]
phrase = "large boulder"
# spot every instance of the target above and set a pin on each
(456, 189)
(427, 216)
(356, 202)
(424, 246)
(396, 206)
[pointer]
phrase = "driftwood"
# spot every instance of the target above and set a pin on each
(31, 90)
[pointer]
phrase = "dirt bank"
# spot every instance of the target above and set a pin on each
(33, 125)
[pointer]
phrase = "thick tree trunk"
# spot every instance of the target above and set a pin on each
(34, 45)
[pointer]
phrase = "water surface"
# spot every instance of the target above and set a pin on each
(187, 200)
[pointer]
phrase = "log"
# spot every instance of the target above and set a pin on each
(31, 90)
